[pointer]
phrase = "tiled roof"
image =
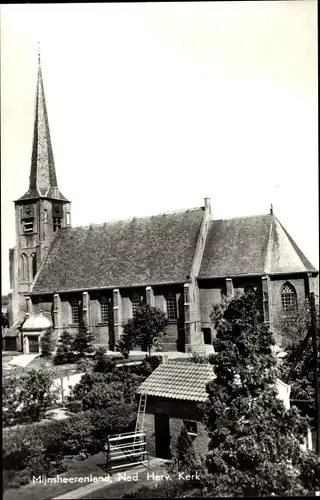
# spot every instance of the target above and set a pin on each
(183, 380)
(251, 245)
(139, 251)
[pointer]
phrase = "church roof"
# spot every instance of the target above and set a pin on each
(251, 245)
(140, 251)
(43, 179)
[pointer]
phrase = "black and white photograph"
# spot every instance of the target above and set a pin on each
(160, 250)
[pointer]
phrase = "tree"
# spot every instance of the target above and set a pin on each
(26, 398)
(143, 329)
(255, 443)
(83, 340)
(47, 344)
(64, 352)
(103, 363)
(297, 367)
(38, 393)
(11, 388)
(184, 457)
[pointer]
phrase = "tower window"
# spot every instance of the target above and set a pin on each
(28, 226)
(288, 298)
(27, 218)
(75, 311)
(45, 215)
(24, 267)
(136, 302)
(105, 309)
(57, 223)
(171, 306)
(34, 265)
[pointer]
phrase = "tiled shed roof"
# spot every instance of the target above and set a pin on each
(251, 245)
(139, 251)
(185, 380)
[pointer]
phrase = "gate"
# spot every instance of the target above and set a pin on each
(128, 449)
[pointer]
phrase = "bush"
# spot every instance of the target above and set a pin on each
(47, 344)
(25, 454)
(64, 352)
(39, 449)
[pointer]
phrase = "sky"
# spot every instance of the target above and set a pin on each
(154, 106)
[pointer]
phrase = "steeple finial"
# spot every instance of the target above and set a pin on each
(271, 209)
(39, 55)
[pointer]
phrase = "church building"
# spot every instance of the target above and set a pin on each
(180, 262)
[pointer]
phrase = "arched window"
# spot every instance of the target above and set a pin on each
(75, 311)
(288, 297)
(24, 267)
(171, 306)
(105, 310)
(34, 265)
(136, 302)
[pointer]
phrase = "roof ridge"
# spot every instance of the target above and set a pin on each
(98, 224)
(240, 217)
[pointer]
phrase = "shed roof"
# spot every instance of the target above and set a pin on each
(185, 380)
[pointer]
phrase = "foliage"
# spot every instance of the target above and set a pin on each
(47, 344)
(254, 446)
(201, 359)
(83, 339)
(11, 389)
(28, 397)
(64, 352)
(169, 489)
(298, 368)
(143, 329)
(184, 457)
(37, 393)
(39, 449)
(103, 363)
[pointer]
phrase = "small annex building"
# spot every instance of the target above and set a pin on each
(174, 391)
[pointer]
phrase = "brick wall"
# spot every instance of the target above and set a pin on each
(276, 304)
(200, 442)
(178, 411)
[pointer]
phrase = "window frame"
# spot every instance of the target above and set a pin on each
(105, 303)
(171, 297)
(194, 426)
(289, 306)
(56, 223)
(135, 303)
(28, 225)
(75, 303)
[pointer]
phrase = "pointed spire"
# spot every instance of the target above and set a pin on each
(43, 179)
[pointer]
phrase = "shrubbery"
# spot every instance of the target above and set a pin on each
(39, 449)
(28, 397)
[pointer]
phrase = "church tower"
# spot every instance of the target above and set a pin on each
(39, 213)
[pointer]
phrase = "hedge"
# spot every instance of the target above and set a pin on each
(40, 449)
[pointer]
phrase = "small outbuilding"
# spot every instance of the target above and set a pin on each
(33, 329)
(174, 391)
